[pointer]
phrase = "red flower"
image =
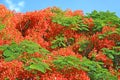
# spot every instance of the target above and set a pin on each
(10, 70)
(102, 57)
(53, 76)
(75, 74)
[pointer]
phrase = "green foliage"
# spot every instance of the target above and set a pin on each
(114, 54)
(96, 71)
(102, 36)
(101, 74)
(110, 53)
(70, 41)
(103, 18)
(31, 47)
(80, 26)
(38, 65)
(13, 51)
(117, 31)
(58, 42)
(116, 62)
(2, 26)
(6, 79)
(57, 11)
(83, 45)
(108, 33)
(67, 62)
(66, 21)
(117, 44)
(76, 22)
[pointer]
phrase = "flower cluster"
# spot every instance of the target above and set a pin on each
(52, 44)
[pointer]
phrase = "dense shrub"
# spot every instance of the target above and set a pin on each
(52, 44)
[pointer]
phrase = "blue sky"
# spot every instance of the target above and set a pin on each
(85, 5)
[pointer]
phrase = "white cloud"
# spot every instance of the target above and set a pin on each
(17, 7)
(21, 3)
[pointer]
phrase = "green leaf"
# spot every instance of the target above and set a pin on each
(7, 53)
(29, 46)
(68, 62)
(11, 52)
(65, 20)
(102, 19)
(83, 45)
(95, 70)
(54, 46)
(111, 56)
(110, 53)
(58, 42)
(38, 67)
(2, 26)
